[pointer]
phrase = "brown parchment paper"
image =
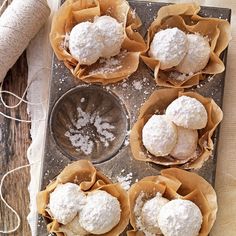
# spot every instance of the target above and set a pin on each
(73, 12)
(184, 16)
(84, 174)
(175, 183)
(156, 104)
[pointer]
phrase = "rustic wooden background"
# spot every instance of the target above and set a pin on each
(14, 142)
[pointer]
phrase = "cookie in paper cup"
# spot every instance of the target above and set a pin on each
(89, 181)
(104, 71)
(157, 104)
(173, 184)
(184, 17)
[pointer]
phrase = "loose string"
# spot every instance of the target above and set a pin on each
(21, 99)
(5, 202)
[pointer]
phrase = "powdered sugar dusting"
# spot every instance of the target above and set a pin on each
(137, 85)
(169, 47)
(125, 181)
(109, 65)
(89, 129)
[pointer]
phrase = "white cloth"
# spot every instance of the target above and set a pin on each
(39, 57)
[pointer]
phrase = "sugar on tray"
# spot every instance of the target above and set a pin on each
(125, 180)
(87, 129)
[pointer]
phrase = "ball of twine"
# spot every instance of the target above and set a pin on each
(19, 23)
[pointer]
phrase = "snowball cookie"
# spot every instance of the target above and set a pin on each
(159, 135)
(65, 201)
(197, 56)
(112, 33)
(187, 112)
(150, 212)
(169, 46)
(73, 228)
(186, 143)
(180, 218)
(101, 213)
(85, 44)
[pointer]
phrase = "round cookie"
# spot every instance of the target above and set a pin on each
(112, 33)
(65, 201)
(186, 143)
(150, 212)
(85, 43)
(187, 112)
(197, 56)
(180, 218)
(169, 46)
(101, 212)
(159, 135)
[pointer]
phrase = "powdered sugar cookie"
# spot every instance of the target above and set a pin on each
(150, 212)
(65, 202)
(85, 43)
(169, 46)
(180, 218)
(187, 112)
(186, 143)
(101, 212)
(159, 135)
(112, 35)
(197, 56)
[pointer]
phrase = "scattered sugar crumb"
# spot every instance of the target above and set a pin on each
(82, 100)
(125, 181)
(61, 80)
(199, 85)
(124, 85)
(126, 142)
(137, 85)
(109, 65)
(210, 78)
(88, 129)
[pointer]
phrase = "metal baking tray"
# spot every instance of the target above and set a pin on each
(120, 103)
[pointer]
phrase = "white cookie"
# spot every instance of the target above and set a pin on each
(186, 143)
(180, 218)
(187, 112)
(197, 56)
(169, 46)
(159, 135)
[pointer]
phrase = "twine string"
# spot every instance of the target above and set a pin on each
(21, 99)
(8, 205)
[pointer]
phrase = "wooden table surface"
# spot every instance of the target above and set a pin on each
(14, 142)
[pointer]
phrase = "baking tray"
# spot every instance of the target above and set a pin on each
(125, 98)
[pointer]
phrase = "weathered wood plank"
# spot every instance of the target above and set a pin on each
(14, 142)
